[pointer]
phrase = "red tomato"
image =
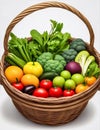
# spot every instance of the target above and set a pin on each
(68, 93)
(19, 86)
(55, 92)
(45, 83)
(40, 92)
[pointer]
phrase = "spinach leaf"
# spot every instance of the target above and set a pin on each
(37, 36)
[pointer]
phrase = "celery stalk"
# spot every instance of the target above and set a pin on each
(18, 61)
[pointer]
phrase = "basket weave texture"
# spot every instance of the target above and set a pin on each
(51, 111)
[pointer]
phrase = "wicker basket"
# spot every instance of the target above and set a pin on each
(51, 111)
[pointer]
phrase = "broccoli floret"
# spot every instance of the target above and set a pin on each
(69, 55)
(78, 45)
(44, 57)
(51, 63)
(53, 66)
(60, 59)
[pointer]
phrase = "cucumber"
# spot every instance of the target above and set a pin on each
(48, 75)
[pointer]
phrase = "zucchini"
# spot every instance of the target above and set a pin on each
(48, 75)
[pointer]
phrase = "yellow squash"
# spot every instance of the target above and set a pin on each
(33, 68)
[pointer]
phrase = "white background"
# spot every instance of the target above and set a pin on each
(10, 118)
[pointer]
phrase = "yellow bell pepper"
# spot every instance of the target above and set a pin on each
(33, 68)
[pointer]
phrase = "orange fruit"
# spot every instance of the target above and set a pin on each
(90, 80)
(13, 73)
(30, 79)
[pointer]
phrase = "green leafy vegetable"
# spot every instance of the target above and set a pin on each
(81, 58)
(89, 60)
(26, 50)
(14, 60)
(19, 47)
(84, 59)
(37, 36)
(55, 27)
(93, 70)
(54, 42)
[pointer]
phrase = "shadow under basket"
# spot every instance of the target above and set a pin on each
(49, 111)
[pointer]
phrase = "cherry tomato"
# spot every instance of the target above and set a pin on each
(40, 92)
(68, 93)
(19, 86)
(45, 83)
(55, 92)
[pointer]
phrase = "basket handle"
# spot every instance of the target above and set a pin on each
(44, 5)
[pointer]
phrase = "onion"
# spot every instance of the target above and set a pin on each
(73, 67)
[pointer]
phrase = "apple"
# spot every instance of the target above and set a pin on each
(78, 78)
(69, 84)
(65, 74)
(58, 81)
